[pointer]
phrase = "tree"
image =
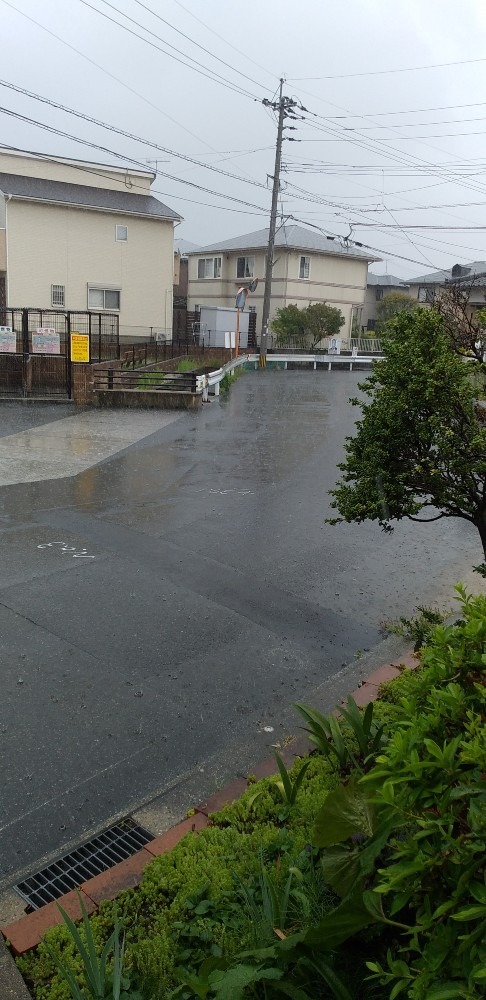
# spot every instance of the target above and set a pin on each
(466, 327)
(420, 444)
(392, 304)
(289, 325)
(307, 327)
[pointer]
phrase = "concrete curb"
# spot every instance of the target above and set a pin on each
(26, 933)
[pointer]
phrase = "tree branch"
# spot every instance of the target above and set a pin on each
(427, 520)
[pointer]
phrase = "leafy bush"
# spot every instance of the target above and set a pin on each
(419, 628)
(329, 737)
(371, 887)
(150, 380)
(421, 816)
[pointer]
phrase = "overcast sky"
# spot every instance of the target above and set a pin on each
(381, 152)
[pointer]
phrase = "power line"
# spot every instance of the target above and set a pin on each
(407, 138)
(107, 72)
(196, 67)
(211, 74)
(382, 72)
(122, 156)
(226, 42)
(448, 121)
(126, 134)
(363, 246)
(369, 118)
(199, 46)
(363, 142)
(99, 173)
(412, 111)
(154, 145)
(398, 225)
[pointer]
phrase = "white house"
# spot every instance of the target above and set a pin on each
(378, 286)
(308, 267)
(77, 235)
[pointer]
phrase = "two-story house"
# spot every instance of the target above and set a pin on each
(308, 267)
(86, 236)
(378, 286)
(427, 286)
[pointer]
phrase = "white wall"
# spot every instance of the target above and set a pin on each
(50, 244)
(77, 172)
(340, 281)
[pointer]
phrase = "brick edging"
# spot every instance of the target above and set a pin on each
(27, 932)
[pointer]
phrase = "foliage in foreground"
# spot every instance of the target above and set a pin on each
(391, 304)
(420, 445)
(419, 627)
(369, 885)
(305, 328)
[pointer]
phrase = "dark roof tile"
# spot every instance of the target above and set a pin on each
(85, 196)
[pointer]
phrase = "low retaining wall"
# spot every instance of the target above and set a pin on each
(139, 399)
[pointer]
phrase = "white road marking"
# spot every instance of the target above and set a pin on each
(70, 549)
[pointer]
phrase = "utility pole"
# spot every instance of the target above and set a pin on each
(285, 104)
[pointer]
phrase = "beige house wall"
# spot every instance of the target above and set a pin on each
(51, 244)
(369, 308)
(339, 281)
(76, 172)
(476, 294)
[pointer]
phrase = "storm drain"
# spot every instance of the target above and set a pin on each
(97, 855)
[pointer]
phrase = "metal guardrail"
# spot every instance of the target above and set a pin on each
(121, 379)
(112, 379)
(328, 361)
(364, 345)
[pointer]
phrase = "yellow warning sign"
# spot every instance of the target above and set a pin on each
(80, 347)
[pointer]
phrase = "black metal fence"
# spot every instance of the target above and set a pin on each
(32, 372)
(117, 379)
(150, 353)
(102, 329)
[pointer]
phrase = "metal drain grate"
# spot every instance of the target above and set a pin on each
(96, 856)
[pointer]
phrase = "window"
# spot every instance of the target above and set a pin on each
(209, 267)
(426, 293)
(121, 234)
(103, 298)
(245, 267)
(378, 294)
(304, 267)
(371, 324)
(57, 295)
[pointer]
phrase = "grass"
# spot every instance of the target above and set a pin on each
(150, 380)
(191, 364)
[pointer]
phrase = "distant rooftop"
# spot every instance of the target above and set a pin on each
(184, 247)
(58, 192)
(386, 281)
(458, 272)
(292, 237)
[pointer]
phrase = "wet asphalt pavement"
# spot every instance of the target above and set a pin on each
(197, 594)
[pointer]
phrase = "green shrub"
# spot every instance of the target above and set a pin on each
(395, 877)
(419, 627)
(421, 814)
(150, 380)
